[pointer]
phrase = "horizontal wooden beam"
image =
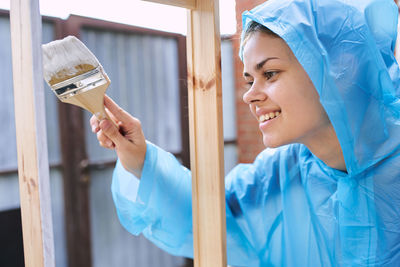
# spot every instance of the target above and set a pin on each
(189, 4)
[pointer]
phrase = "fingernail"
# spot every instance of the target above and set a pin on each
(109, 143)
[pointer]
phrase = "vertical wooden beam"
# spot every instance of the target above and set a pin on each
(33, 167)
(206, 134)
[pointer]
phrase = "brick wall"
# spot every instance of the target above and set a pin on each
(249, 137)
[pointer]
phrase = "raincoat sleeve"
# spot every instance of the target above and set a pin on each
(160, 207)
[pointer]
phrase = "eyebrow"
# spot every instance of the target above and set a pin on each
(260, 65)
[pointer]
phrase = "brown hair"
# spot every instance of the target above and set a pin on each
(255, 27)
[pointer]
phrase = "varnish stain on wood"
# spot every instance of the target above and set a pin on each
(32, 183)
(28, 186)
(210, 84)
(202, 84)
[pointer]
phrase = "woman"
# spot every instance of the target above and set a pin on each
(324, 86)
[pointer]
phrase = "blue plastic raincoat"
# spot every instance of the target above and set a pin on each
(289, 208)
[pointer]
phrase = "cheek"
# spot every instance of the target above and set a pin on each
(308, 116)
(302, 98)
(302, 108)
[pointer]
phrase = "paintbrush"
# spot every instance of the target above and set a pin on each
(75, 75)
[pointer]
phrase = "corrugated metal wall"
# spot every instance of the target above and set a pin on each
(8, 157)
(144, 74)
(144, 80)
(229, 109)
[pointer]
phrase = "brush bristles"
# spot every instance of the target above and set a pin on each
(66, 58)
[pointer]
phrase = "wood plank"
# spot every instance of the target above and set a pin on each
(189, 4)
(33, 167)
(206, 134)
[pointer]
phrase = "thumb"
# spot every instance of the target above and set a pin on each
(112, 132)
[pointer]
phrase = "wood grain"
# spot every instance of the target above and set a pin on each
(206, 134)
(33, 167)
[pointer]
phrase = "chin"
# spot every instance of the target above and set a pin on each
(269, 144)
(272, 142)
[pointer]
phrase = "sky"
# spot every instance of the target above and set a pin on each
(133, 12)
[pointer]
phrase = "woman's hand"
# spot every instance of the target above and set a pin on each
(128, 141)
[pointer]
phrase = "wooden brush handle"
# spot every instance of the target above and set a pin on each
(93, 101)
(103, 115)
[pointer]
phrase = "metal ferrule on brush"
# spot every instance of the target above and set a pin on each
(80, 83)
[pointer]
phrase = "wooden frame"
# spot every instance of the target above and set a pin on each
(206, 135)
(33, 166)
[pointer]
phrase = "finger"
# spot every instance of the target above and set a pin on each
(111, 132)
(104, 141)
(101, 137)
(94, 124)
(108, 146)
(117, 111)
(109, 113)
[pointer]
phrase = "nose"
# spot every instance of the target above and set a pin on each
(254, 94)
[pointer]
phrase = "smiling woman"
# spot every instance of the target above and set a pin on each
(283, 98)
(323, 84)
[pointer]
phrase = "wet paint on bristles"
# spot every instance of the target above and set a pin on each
(66, 58)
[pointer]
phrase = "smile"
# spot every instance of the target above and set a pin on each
(269, 116)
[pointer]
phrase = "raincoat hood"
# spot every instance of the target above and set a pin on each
(347, 49)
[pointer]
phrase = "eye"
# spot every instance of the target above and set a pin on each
(269, 74)
(248, 82)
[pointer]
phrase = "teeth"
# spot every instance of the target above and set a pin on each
(269, 116)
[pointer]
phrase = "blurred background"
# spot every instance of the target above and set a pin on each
(142, 47)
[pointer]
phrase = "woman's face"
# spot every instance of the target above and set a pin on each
(280, 94)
